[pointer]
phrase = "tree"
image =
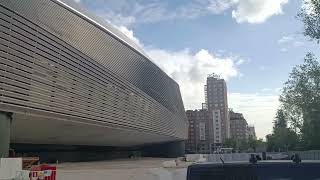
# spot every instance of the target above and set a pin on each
(294, 117)
(280, 120)
(310, 16)
(231, 142)
(254, 143)
(282, 138)
(243, 145)
(301, 99)
(271, 144)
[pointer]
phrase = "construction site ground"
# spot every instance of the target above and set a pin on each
(121, 169)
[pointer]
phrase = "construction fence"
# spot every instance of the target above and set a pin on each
(307, 155)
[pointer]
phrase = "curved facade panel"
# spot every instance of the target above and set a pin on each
(60, 68)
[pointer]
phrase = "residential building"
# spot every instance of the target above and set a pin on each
(252, 132)
(216, 102)
(238, 127)
(201, 134)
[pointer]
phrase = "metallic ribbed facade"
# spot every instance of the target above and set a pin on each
(71, 80)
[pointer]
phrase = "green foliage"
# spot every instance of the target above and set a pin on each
(282, 138)
(243, 145)
(301, 100)
(254, 143)
(310, 16)
(231, 143)
(280, 120)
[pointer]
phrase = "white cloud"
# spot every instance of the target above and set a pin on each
(118, 19)
(258, 109)
(77, 1)
(285, 39)
(128, 13)
(297, 44)
(191, 69)
(290, 41)
(240, 61)
(129, 34)
(219, 6)
(257, 11)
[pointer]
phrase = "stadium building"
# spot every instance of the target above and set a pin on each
(69, 78)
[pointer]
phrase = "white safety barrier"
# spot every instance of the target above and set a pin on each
(9, 167)
(243, 157)
(228, 157)
(196, 157)
(218, 157)
(22, 175)
(307, 155)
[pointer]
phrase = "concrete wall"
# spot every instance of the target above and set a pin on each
(9, 167)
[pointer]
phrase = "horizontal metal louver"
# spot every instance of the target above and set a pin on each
(55, 61)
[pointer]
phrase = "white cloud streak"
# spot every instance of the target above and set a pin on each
(290, 41)
(219, 6)
(128, 13)
(285, 39)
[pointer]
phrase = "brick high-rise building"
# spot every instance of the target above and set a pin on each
(216, 101)
(210, 126)
(201, 133)
(238, 127)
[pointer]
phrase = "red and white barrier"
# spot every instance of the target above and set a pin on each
(43, 172)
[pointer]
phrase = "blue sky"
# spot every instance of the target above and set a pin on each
(253, 44)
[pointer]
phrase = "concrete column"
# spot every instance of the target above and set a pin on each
(5, 126)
